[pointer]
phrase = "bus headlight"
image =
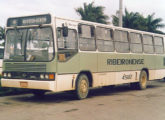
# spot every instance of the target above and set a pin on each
(46, 76)
(9, 75)
(42, 76)
(4, 74)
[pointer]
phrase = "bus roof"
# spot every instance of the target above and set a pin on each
(109, 26)
(47, 19)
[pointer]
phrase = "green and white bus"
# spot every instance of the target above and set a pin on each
(47, 53)
(1, 58)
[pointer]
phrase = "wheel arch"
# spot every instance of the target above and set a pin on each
(89, 75)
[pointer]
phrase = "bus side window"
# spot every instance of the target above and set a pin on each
(86, 38)
(104, 39)
(158, 44)
(148, 44)
(136, 43)
(67, 46)
(121, 41)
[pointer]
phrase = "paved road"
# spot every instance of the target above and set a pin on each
(121, 103)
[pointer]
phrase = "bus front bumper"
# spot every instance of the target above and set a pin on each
(29, 84)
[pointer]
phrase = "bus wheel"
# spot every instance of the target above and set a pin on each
(82, 87)
(142, 84)
(143, 80)
(38, 93)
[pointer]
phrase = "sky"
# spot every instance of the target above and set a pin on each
(66, 8)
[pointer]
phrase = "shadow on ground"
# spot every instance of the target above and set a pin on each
(64, 97)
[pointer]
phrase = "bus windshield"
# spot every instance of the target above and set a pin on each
(29, 44)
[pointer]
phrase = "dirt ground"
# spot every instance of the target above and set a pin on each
(121, 103)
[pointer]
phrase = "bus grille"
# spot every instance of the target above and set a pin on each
(25, 67)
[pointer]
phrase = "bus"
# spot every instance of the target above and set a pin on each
(48, 53)
(1, 58)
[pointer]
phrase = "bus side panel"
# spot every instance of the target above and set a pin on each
(104, 79)
(150, 63)
(127, 77)
(136, 67)
(104, 65)
(88, 62)
(120, 73)
(66, 82)
(106, 73)
(160, 67)
(70, 66)
(66, 71)
(159, 74)
(123, 70)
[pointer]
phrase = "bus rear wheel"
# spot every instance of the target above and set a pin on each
(143, 80)
(82, 87)
(142, 84)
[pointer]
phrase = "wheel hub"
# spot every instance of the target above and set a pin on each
(143, 80)
(83, 86)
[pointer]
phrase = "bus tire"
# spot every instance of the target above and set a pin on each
(143, 80)
(38, 93)
(82, 86)
(142, 84)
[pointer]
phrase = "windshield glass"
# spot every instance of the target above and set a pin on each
(31, 44)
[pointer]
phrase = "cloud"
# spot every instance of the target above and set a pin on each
(62, 8)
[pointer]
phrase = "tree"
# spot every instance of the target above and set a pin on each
(139, 22)
(130, 20)
(154, 24)
(93, 13)
(2, 33)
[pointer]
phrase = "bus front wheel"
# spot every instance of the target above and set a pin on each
(82, 86)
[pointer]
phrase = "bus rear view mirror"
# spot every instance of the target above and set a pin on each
(79, 29)
(65, 31)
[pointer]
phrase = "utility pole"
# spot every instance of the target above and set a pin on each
(120, 13)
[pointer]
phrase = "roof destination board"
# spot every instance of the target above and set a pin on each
(29, 20)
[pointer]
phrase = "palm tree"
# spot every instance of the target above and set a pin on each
(139, 22)
(2, 33)
(154, 24)
(130, 20)
(93, 13)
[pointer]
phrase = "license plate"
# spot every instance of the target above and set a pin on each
(24, 84)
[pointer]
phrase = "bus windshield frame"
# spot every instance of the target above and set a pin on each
(29, 44)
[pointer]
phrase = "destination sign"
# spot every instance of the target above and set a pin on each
(125, 61)
(29, 20)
